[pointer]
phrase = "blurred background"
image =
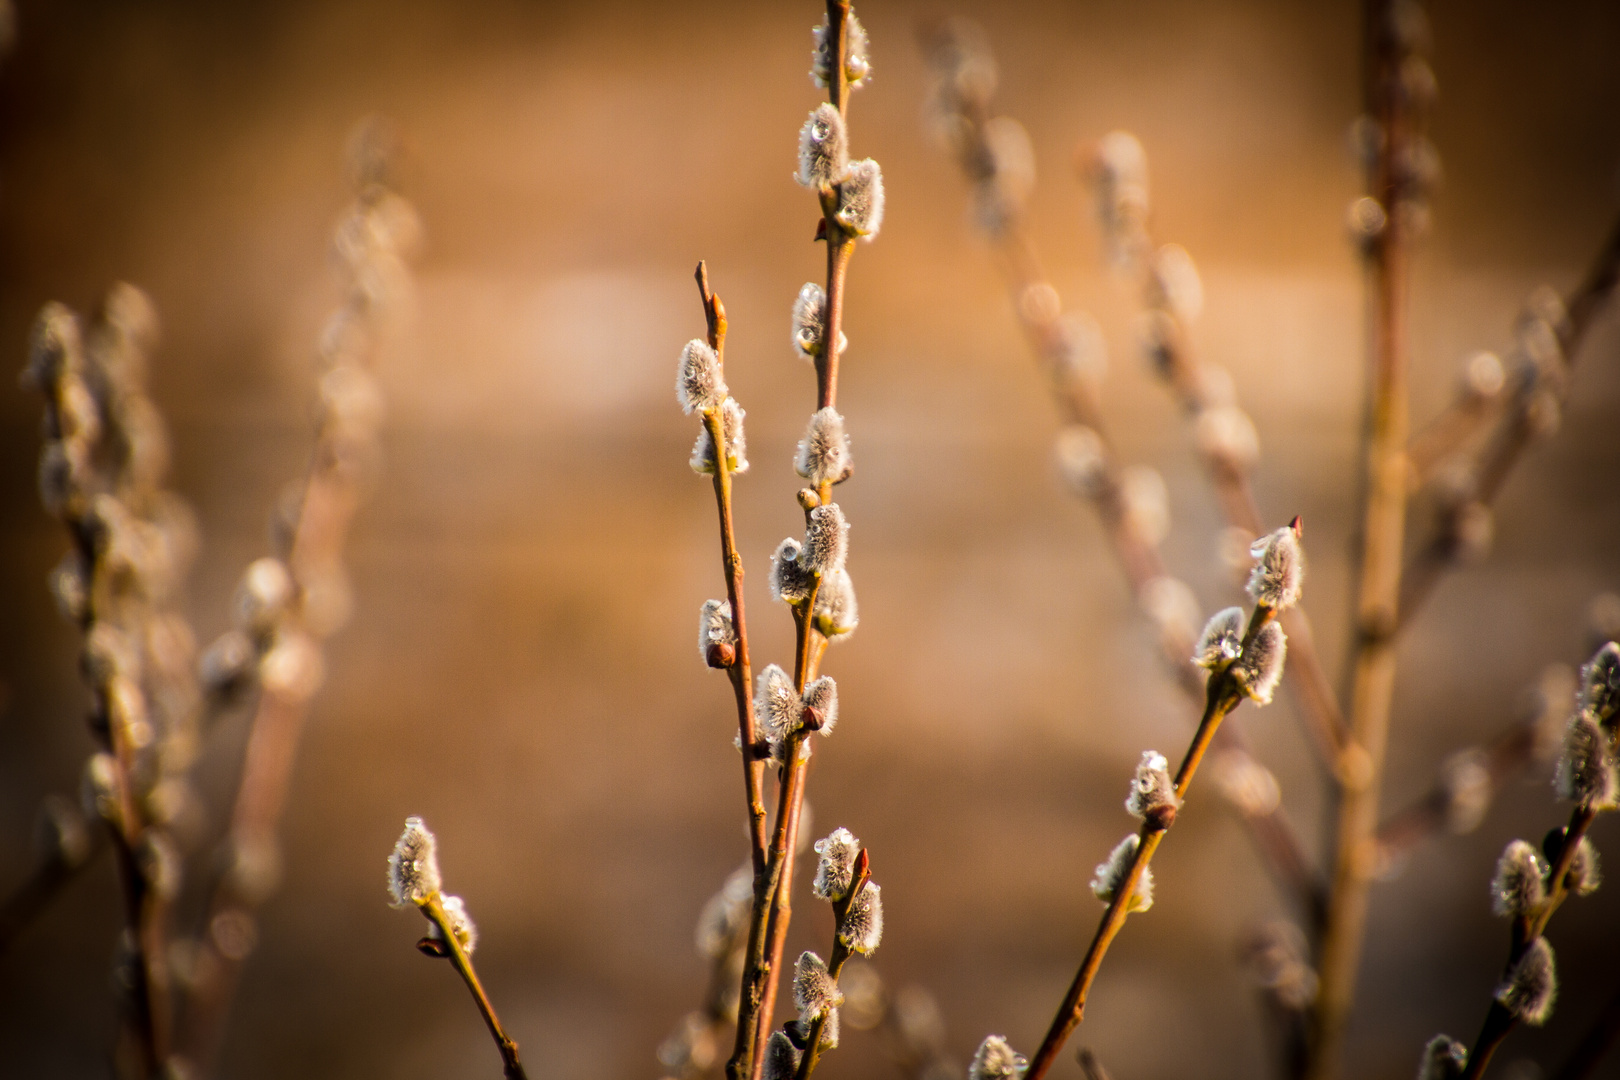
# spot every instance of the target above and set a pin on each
(520, 667)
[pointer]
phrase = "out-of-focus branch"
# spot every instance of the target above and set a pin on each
(1551, 335)
(301, 596)
(1399, 89)
(987, 149)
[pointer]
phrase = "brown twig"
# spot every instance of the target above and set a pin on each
(1222, 696)
(1092, 1066)
(1539, 387)
(739, 669)
(1036, 305)
(1390, 52)
(1527, 928)
(835, 962)
(372, 238)
(433, 908)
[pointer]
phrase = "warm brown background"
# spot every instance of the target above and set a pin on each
(521, 669)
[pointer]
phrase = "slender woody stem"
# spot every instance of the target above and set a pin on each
(1222, 696)
(1383, 529)
(433, 908)
(740, 671)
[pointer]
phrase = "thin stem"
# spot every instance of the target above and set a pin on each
(740, 670)
(433, 908)
(1222, 697)
(837, 958)
(1383, 530)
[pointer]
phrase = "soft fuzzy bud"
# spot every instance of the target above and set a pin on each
(1520, 883)
(413, 868)
(1120, 182)
(101, 792)
(1260, 668)
(1226, 434)
(862, 928)
(731, 427)
(781, 1058)
(227, 665)
(822, 696)
(1174, 286)
(1279, 570)
(1249, 786)
(836, 870)
(857, 62)
(823, 154)
(1279, 960)
(1173, 607)
(1585, 873)
(62, 834)
(1108, 875)
(860, 199)
(1443, 1059)
(810, 322)
(266, 590)
(701, 386)
(814, 991)
(715, 628)
(1531, 987)
(826, 539)
(1082, 459)
(995, 1060)
(1222, 639)
(1153, 793)
(824, 451)
(777, 705)
(1147, 503)
(1586, 771)
(837, 614)
(725, 916)
(461, 924)
(1600, 684)
(1082, 351)
(1465, 777)
(790, 581)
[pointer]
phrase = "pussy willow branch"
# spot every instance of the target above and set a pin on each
(840, 246)
(433, 908)
(1508, 755)
(1499, 1022)
(835, 964)
(1383, 528)
(1138, 556)
(739, 670)
(1235, 494)
(1222, 696)
(1092, 1067)
(316, 532)
(1518, 428)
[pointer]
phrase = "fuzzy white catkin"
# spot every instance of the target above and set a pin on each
(790, 581)
(814, 991)
(823, 154)
(1465, 777)
(731, 428)
(1586, 771)
(837, 614)
(1226, 434)
(1082, 355)
(1279, 570)
(862, 928)
(1147, 503)
(1585, 873)
(826, 540)
(860, 199)
(1600, 684)
(1260, 668)
(781, 1058)
(809, 320)
(413, 868)
(822, 696)
(1531, 986)
(1222, 639)
(1249, 786)
(777, 705)
(996, 1060)
(824, 456)
(1520, 882)
(1082, 459)
(1443, 1059)
(1174, 285)
(857, 62)
(725, 915)
(1152, 790)
(700, 386)
(715, 626)
(461, 924)
(1108, 875)
(835, 872)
